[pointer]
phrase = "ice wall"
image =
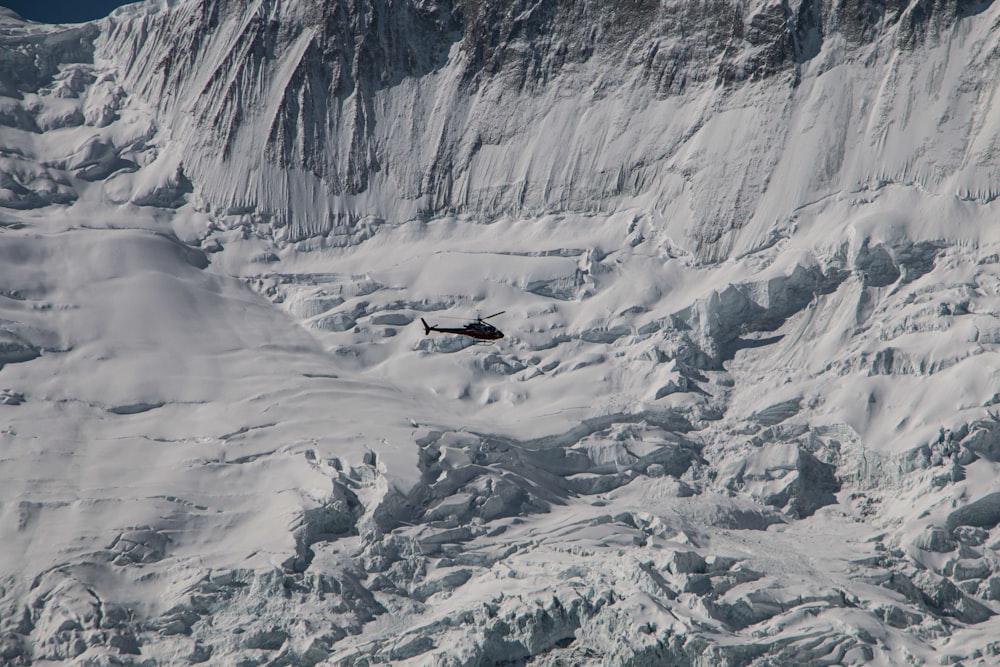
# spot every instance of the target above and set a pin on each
(716, 119)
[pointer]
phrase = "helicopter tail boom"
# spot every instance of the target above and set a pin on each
(427, 327)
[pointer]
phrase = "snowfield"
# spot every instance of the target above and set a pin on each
(745, 411)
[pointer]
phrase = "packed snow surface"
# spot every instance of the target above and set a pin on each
(744, 412)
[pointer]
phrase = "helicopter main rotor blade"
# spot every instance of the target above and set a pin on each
(493, 315)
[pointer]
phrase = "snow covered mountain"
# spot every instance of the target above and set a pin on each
(744, 412)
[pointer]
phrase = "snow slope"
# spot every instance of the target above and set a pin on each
(703, 116)
(744, 412)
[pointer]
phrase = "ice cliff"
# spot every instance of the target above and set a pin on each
(715, 119)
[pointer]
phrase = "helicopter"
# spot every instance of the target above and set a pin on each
(477, 329)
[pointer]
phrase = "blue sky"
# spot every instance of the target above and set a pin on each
(63, 11)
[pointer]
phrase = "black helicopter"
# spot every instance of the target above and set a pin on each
(478, 329)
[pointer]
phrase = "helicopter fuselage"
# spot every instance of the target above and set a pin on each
(479, 330)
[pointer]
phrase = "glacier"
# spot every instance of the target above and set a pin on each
(744, 412)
